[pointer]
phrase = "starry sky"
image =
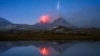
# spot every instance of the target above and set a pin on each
(29, 11)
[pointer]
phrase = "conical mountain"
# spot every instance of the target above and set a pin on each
(62, 22)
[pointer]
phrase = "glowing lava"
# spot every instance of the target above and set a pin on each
(44, 51)
(44, 19)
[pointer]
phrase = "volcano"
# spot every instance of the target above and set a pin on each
(44, 19)
(44, 22)
(62, 22)
(56, 23)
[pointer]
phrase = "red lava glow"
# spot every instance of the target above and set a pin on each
(44, 19)
(44, 51)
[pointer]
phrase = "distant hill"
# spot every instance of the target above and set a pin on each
(5, 24)
(22, 26)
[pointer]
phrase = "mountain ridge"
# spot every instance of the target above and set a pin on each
(5, 24)
(57, 22)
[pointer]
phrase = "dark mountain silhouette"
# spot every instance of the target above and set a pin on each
(5, 24)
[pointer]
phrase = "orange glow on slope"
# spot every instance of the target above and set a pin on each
(44, 19)
(44, 51)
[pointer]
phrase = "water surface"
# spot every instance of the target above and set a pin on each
(33, 48)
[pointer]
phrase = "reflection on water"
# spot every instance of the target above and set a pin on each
(44, 51)
(30, 48)
(22, 51)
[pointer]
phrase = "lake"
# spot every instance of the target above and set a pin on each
(41, 48)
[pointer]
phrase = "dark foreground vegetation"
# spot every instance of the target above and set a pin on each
(84, 34)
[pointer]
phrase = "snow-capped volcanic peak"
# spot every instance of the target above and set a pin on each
(61, 22)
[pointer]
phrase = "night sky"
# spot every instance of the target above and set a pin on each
(29, 11)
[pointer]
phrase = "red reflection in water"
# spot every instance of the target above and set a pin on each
(44, 51)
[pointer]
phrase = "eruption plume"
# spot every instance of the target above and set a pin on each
(44, 19)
